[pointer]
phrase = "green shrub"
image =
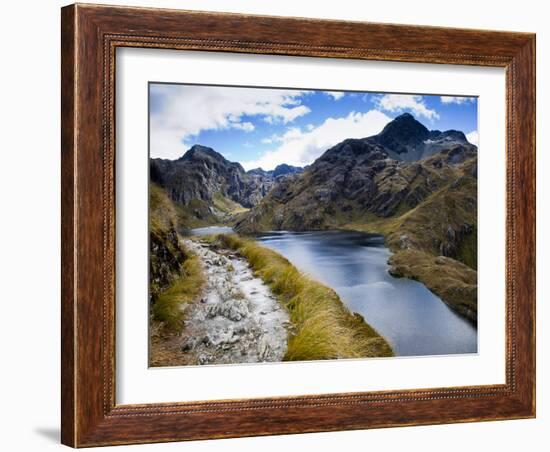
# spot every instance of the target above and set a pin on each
(169, 306)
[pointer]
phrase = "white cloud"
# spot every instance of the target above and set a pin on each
(456, 100)
(335, 94)
(301, 147)
(473, 137)
(179, 112)
(400, 102)
(246, 126)
(286, 115)
(290, 133)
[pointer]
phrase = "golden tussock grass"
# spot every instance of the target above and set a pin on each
(169, 306)
(323, 327)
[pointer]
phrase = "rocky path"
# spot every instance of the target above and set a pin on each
(238, 319)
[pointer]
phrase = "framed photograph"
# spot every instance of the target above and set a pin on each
(282, 225)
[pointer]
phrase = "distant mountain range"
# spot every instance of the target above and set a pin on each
(280, 170)
(201, 173)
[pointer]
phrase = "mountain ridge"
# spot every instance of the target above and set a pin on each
(213, 188)
(407, 139)
(426, 208)
(362, 176)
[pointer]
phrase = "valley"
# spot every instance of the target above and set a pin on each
(416, 188)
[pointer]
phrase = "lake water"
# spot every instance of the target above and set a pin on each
(413, 319)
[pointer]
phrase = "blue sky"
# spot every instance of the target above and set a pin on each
(263, 127)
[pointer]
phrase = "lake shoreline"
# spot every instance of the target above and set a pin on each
(466, 341)
(324, 328)
(413, 296)
(417, 265)
(452, 281)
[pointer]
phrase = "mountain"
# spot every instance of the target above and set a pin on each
(284, 169)
(208, 188)
(407, 139)
(201, 173)
(355, 181)
(416, 187)
(207, 185)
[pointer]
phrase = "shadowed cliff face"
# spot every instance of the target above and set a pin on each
(202, 172)
(166, 255)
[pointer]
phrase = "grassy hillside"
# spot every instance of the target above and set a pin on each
(436, 226)
(196, 214)
(323, 327)
(454, 282)
(445, 223)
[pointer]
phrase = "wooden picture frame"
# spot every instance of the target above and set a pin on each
(90, 36)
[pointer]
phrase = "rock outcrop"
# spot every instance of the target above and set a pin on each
(166, 255)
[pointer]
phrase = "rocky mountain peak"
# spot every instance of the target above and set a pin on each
(280, 170)
(199, 152)
(402, 133)
(204, 155)
(258, 172)
(201, 174)
(407, 139)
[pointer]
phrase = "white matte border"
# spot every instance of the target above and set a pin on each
(136, 383)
